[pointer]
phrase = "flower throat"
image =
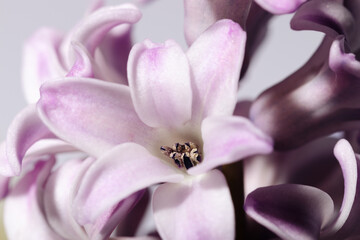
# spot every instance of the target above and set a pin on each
(184, 155)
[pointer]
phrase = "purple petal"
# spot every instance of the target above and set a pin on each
(40, 62)
(91, 31)
(280, 6)
(92, 115)
(229, 139)
(159, 79)
(23, 208)
(291, 211)
(215, 60)
(341, 62)
(122, 171)
(24, 131)
(198, 208)
(330, 17)
(201, 14)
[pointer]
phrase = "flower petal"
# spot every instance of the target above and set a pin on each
(159, 79)
(198, 208)
(201, 14)
(92, 115)
(83, 66)
(330, 17)
(215, 60)
(23, 208)
(122, 171)
(291, 211)
(280, 6)
(349, 213)
(58, 198)
(40, 62)
(94, 27)
(229, 139)
(24, 131)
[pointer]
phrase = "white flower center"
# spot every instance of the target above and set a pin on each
(183, 155)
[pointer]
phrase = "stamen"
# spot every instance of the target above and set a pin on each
(184, 155)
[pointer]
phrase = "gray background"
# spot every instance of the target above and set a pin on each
(282, 53)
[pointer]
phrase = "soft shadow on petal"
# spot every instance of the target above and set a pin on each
(122, 171)
(229, 139)
(159, 80)
(291, 211)
(198, 208)
(215, 60)
(92, 115)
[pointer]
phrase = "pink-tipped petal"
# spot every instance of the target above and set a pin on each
(291, 211)
(201, 14)
(215, 60)
(122, 171)
(24, 131)
(229, 139)
(280, 6)
(91, 31)
(92, 115)
(40, 62)
(198, 208)
(24, 218)
(159, 79)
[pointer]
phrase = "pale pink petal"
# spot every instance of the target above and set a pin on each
(108, 221)
(349, 165)
(59, 194)
(23, 209)
(120, 172)
(4, 180)
(94, 27)
(92, 115)
(134, 238)
(280, 6)
(83, 65)
(198, 208)
(159, 79)
(291, 211)
(40, 62)
(113, 54)
(229, 139)
(215, 60)
(24, 131)
(49, 146)
(201, 14)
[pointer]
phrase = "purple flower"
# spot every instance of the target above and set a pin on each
(321, 97)
(172, 98)
(295, 211)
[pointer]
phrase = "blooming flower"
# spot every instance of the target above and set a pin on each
(172, 98)
(294, 211)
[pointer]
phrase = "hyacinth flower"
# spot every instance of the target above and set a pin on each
(199, 15)
(87, 51)
(321, 97)
(294, 211)
(102, 37)
(173, 97)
